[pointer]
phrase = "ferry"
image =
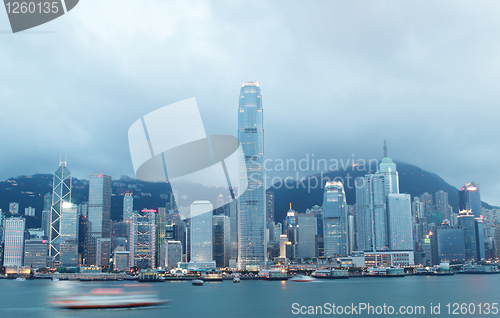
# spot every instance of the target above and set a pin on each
(236, 280)
(386, 272)
(273, 274)
(302, 279)
(213, 276)
(197, 282)
(331, 274)
(21, 279)
(102, 298)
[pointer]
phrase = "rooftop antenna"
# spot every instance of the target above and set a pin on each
(385, 149)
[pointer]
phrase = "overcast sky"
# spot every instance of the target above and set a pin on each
(337, 78)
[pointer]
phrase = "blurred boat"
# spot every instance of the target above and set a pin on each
(197, 282)
(21, 279)
(101, 298)
(236, 280)
(302, 279)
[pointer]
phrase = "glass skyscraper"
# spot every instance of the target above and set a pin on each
(468, 223)
(201, 231)
(128, 206)
(61, 193)
(335, 220)
(69, 235)
(470, 199)
(99, 213)
(399, 221)
(252, 203)
(13, 241)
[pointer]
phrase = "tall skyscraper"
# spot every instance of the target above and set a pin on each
(35, 249)
(306, 225)
(201, 225)
(143, 239)
(61, 193)
(399, 217)
(388, 169)
(270, 206)
(427, 202)
(467, 222)
(13, 241)
(450, 244)
(233, 231)
(441, 201)
(99, 213)
(335, 234)
(252, 203)
(69, 223)
(470, 199)
(221, 240)
(128, 206)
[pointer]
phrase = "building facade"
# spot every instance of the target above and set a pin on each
(335, 236)
(201, 231)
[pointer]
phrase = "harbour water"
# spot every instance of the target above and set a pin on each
(255, 298)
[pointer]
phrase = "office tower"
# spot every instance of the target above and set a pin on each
(220, 201)
(371, 214)
(399, 217)
(480, 248)
(47, 203)
(388, 168)
(306, 226)
(14, 208)
(161, 224)
(13, 241)
(497, 241)
(201, 229)
(119, 235)
(467, 222)
(46, 222)
(103, 251)
(143, 239)
(128, 206)
(252, 203)
(283, 244)
(83, 209)
(61, 192)
(172, 251)
(450, 244)
(351, 231)
(233, 230)
(69, 222)
(83, 237)
(427, 202)
(270, 206)
(120, 259)
(29, 211)
(99, 214)
(35, 249)
(291, 231)
(221, 240)
(180, 233)
(470, 199)
(441, 201)
(335, 236)
(417, 208)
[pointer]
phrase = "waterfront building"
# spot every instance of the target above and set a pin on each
(252, 203)
(143, 239)
(171, 254)
(306, 228)
(399, 221)
(221, 240)
(393, 259)
(120, 259)
(35, 249)
(61, 192)
(13, 241)
(69, 222)
(128, 206)
(201, 227)
(467, 221)
(470, 199)
(450, 244)
(99, 214)
(335, 236)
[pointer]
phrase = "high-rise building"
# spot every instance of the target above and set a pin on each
(441, 201)
(161, 226)
(470, 199)
(120, 235)
(450, 244)
(467, 222)
(103, 251)
(61, 193)
(128, 206)
(270, 206)
(233, 231)
(47, 203)
(480, 248)
(417, 208)
(221, 240)
(201, 228)
(14, 208)
(428, 205)
(399, 221)
(171, 254)
(335, 236)
(388, 168)
(35, 249)
(143, 239)
(497, 241)
(13, 241)
(46, 222)
(29, 211)
(69, 223)
(99, 213)
(120, 259)
(306, 227)
(252, 203)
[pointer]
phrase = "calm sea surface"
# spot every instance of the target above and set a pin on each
(263, 298)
